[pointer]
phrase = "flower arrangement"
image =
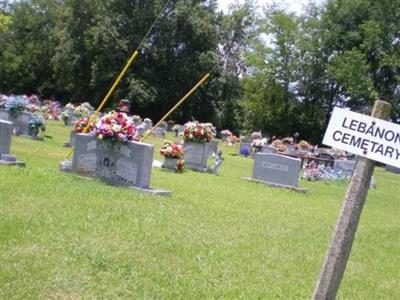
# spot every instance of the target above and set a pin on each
(197, 132)
(279, 145)
(303, 144)
(87, 105)
(115, 127)
(288, 140)
(226, 132)
(81, 124)
(3, 101)
(15, 105)
(233, 139)
(256, 135)
(136, 119)
(37, 121)
(338, 154)
(171, 150)
(81, 111)
(33, 108)
(69, 106)
(257, 145)
(320, 173)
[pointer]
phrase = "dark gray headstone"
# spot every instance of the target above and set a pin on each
(159, 132)
(346, 166)
(72, 117)
(4, 115)
(127, 164)
(21, 123)
(277, 169)
(196, 154)
(268, 149)
(245, 149)
(6, 128)
(392, 169)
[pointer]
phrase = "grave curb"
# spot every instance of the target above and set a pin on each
(288, 187)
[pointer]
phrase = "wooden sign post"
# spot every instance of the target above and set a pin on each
(346, 227)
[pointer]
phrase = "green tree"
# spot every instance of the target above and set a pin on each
(27, 46)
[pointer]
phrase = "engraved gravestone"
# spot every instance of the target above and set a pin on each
(6, 128)
(5, 136)
(346, 166)
(277, 169)
(128, 164)
(196, 154)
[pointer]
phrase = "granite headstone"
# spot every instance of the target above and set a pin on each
(346, 166)
(127, 164)
(277, 169)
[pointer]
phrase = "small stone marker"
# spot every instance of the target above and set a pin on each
(276, 170)
(127, 164)
(346, 166)
(346, 226)
(6, 128)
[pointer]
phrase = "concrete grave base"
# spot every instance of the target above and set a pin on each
(288, 187)
(65, 166)
(128, 165)
(10, 160)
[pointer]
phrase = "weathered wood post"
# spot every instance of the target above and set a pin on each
(346, 227)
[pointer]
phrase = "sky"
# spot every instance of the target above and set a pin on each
(295, 6)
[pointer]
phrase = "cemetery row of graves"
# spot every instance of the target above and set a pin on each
(195, 143)
(219, 185)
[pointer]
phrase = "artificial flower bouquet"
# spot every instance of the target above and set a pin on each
(81, 111)
(257, 145)
(171, 150)
(37, 122)
(136, 119)
(303, 145)
(69, 106)
(15, 105)
(256, 135)
(279, 145)
(115, 127)
(226, 132)
(81, 124)
(197, 132)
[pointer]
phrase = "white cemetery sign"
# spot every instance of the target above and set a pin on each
(372, 138)
(363, 135)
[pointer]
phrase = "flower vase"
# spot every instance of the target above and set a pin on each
(170, 163)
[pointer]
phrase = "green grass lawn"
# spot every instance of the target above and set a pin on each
(217, 237)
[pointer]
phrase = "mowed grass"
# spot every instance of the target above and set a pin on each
(217, 237)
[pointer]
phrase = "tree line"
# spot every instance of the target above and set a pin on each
(272, 70)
